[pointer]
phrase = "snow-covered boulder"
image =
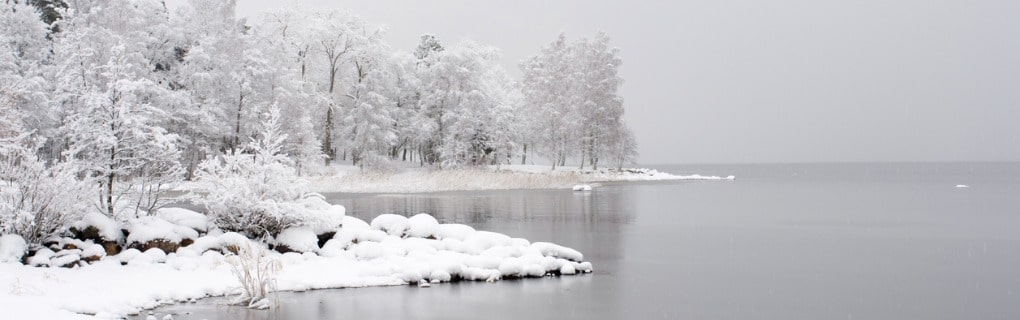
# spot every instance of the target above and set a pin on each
(41, 258)
(12, 248)
(454, 231)
(66, 258)
(391, 223)
(422, 225)
(185, 217)
(97, 227)
(297, 239)
(483, 240)
(92, 252)
(557, 251)
(582, 187)
(153, 232)
(351, 232)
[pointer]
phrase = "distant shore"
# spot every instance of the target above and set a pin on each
(350, 179)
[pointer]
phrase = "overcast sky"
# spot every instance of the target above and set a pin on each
(769, 81)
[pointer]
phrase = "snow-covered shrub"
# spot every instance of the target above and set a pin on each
(258, 192)
(37, 201)
(255, 270)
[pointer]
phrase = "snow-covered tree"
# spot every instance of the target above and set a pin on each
(257, 191)
(115, 137)
(36, 201)
(573, 87)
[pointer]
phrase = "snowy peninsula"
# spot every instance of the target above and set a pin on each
(177, 255)
(347, 178)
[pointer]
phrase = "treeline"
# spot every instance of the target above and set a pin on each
(131, 97)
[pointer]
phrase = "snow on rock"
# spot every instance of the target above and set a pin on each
(41, 258)
(65, 258)
(482, 240)
(323, 217)
(350, 230)
(962, 186)
(299, 239)
(151, 228)
(454, 231)
(184, 217)
(106, 228)
(93, 252)
(558, 251)
(12, 248)
(422, 225)
(582, 187)
(391, 223)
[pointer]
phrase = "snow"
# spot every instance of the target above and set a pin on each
(392, 224)
(108, 228)
(150, 228)
(348, 178)
(422, 226)
(300, 239)
(12, 248)
(454, 231)
(582, 187)
(184, 217)
(425, 253)
(962, 186)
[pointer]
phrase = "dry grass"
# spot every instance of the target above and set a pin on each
(256, 271)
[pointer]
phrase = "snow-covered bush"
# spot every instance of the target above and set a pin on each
(258, 192)
(37, 201)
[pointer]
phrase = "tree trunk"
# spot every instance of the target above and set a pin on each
(327, 139)
(524, 156)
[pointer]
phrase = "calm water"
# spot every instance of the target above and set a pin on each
(822, 241)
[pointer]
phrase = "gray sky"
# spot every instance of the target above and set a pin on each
(769, 81)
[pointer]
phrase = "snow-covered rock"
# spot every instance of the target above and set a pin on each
(93, 252)
(98, 227)
(298, 239)
(582, 187)
(41, 258)
(150, 228)
(557, 251)
(12, 248)
(422, 225)
(962, 186)
(391, 223)
(454, 231)
(185, 217)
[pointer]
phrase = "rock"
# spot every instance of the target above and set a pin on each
(161, 244)
(111, 247)
(66, 258)
(324, 237)
(281, 248)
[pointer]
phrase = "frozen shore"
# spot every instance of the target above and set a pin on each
(387, 251)
(347, 178)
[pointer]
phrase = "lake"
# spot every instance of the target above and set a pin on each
(790, 241)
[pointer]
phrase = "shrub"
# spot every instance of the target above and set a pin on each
(36, 201)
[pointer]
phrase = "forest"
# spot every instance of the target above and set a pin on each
(105, 105)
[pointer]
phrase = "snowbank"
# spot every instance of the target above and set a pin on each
(12, 248)
(343, 178)
(392, 250)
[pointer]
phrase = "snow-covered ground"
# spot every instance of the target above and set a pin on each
(347, 178)
(389, 250)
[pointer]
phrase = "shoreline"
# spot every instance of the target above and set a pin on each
(350, 179)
